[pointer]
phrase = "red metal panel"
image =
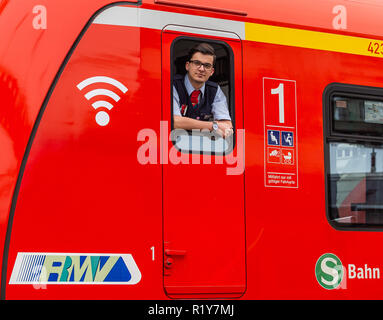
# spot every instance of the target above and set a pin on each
(287, 229)
(29, 61)
(322, 15)
(201, 7)
(83, 190)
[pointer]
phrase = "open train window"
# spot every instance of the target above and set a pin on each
(202, 140)
(354, 156)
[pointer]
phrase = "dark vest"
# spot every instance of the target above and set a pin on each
(202, 111)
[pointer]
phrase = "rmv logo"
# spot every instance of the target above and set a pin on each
(56, 268)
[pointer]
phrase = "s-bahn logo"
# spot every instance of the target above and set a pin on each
(329, 271)
(332, 274)
(74, 268)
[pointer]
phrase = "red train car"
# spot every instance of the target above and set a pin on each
(101, 199)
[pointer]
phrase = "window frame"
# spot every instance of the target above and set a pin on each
(330, 135)
(230, 99)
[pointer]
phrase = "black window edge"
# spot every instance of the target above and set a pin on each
(231, 102)
(348, 90)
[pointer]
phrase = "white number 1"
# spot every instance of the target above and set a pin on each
(280, 92)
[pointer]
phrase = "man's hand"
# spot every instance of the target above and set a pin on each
(225, 128)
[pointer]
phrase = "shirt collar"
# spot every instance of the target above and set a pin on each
(190, 88)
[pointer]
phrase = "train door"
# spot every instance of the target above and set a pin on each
(203, 204)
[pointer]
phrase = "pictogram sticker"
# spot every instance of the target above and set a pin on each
(287, 139)
(280, 132)
(288, 156)
(274, 155)
(273, 137)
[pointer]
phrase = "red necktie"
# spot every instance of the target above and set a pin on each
(194, 97)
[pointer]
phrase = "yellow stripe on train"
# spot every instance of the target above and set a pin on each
(313, 40)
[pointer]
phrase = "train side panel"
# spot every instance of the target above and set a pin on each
(287, 228)
(84, 197)
(30, 60)
(93, 210)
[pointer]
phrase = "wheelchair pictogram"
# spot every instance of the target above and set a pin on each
(287, 139)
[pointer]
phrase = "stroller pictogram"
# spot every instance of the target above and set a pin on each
(288, 157)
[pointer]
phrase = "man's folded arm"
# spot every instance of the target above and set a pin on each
(190, 123)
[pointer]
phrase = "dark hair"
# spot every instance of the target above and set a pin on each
(203, 48)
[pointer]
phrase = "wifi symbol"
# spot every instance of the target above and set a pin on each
(102, 117)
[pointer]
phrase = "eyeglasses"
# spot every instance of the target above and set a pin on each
(198, 63)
